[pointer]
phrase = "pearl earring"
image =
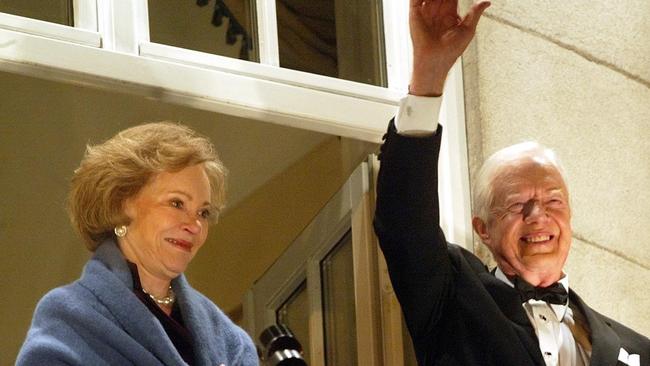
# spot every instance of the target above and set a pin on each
(120, 231)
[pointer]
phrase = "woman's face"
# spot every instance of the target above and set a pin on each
(169, 222)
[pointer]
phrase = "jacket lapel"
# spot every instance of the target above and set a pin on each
(508, 300)
(605, 343)
(509, 303)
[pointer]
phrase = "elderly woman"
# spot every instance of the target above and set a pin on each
(142, 201)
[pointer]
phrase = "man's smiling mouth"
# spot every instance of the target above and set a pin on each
(536, 238)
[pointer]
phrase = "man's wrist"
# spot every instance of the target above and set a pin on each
(425, 92)
(428, 79)
(427, 86)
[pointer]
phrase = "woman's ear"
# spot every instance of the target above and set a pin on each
(129, 208)
(480, 227)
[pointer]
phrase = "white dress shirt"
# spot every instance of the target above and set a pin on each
(418, 116)
(553, 324)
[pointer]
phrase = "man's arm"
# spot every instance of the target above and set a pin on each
(406, 223)
(407, 218)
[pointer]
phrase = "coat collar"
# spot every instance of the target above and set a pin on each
(199, 320)
(509, 302)
(108, 277)
(605, 343)
(507, 298)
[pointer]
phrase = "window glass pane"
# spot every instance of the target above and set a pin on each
(338, 304)
(294, 313)
(55, 11)
(220, 27)
(338, 38)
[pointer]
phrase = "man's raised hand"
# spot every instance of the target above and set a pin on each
(439, 37)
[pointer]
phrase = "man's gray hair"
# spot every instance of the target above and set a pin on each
(483, 192)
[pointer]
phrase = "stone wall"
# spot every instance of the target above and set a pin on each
(575, 76)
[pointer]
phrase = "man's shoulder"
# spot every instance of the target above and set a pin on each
(462, 257)
(631, 340)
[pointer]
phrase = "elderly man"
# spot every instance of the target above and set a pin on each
(457, 312)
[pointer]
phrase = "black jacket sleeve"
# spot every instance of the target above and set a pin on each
(407, 225)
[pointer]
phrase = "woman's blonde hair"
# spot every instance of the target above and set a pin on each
(117, 169)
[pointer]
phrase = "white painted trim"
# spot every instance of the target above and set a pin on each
(249, 323)
(105, 23)
(218, 91)
(455, 205)
(141, 21)
(315, 293)
(366, 284)
(398, 44)
(127, 22)
(85, 14)
(50, 30)
(267, 32)
(267, 72)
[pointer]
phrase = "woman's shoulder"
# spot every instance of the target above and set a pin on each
(66, 307)
(55, 326)
(68, 298)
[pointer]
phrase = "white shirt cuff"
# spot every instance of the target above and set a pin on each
(417, 115)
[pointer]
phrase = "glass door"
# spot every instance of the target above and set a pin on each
(319, 286)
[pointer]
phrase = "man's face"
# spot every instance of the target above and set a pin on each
(529, 224)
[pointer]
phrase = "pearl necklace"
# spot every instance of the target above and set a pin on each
(167, 300)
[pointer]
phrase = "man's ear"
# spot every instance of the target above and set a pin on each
(480, 227)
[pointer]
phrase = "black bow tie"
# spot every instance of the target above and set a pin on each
(554, 294)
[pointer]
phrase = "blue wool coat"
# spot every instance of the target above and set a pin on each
(97, 320)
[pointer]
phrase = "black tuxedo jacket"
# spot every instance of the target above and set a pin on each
(456, 311)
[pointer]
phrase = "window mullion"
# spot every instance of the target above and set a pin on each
(316, 320)
(85, 14)
(267, 28)
(123, 24)
(397, 41)
(455, 187)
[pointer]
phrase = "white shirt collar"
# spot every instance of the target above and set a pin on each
(559, 310)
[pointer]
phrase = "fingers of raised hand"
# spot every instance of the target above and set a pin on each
(474, 14)
(436, 7)
(437, 13)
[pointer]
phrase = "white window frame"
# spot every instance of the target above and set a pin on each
(84, 33)
(267, 28)
(85, 14)
(123, 24)
(349, 209)
(121, 57)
